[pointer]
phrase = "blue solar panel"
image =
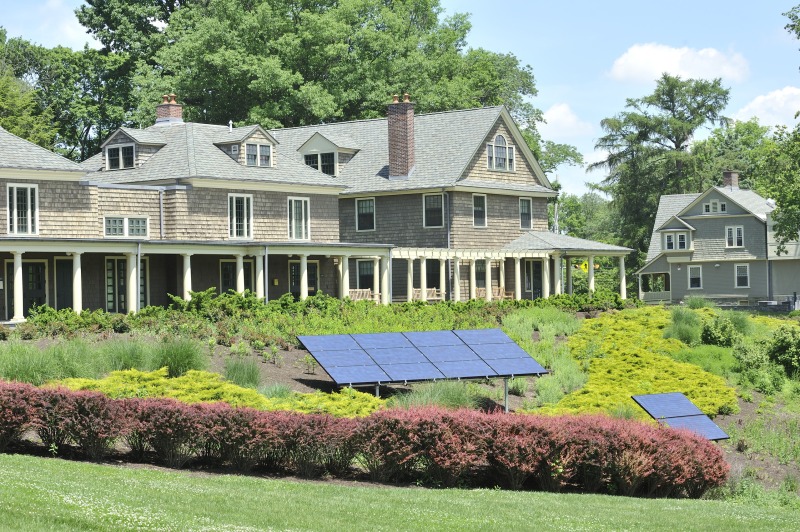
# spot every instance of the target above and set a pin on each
(412, 372)
(492, 351)
(483, 336)
(465, 369)
(399, 355)
(449, 353)
(433, 338)
(343, 358)
(516, 366)
(664, 405)
(381, 340)
(701, 425)
(333, 342)
(344, 375)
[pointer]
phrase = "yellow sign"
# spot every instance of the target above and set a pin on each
(585, 266)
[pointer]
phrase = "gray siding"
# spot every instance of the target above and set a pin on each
(398, 221)
(785, 278)
(731, 207)
(502, 221)
(709, 239)
(719, 282)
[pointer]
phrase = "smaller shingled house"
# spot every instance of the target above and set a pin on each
(718, 244)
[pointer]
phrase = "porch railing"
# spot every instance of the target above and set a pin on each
(657, 296)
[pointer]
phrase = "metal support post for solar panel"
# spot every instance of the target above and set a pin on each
(505, 393)
(377, 390)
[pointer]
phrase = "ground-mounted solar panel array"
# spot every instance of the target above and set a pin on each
(385, 358)
(677, 411)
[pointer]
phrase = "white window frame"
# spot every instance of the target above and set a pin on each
(736, 275)
(252, 263)
(121, 160)
(358, 272)
(258, 147)
(359, 229)
(318, 156)
(685, 240)
(144, 288)
(306, 202)
(126, 226)
(734, 233)
(530, 213)
(424, 212)
(669, 242)
(32, 215)
(315, 285)
(485, 211)
(715, 207)
(7, 293)
(689, 277)
(232, 222)
(491, 155)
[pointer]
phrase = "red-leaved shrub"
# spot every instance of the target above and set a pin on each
(95, 424)
(314, 443)
(385, 447)
(519, 447)
(55, 408)
(241, 437)
(174, 430)
(17, 410)
(135, 435)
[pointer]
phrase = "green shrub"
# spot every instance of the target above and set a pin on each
(686, 326)
(126, 354)
(179, 355)
(518, 386)
(714, 359)
(721, 331)
(696, 302)
(26, 363)
(243, 372)
(449, 394)
(275, 391)
(784, 349)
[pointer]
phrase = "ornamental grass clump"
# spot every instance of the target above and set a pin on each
(179, 355)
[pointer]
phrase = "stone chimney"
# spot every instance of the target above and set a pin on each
(169, 111)
(730, 179)
(401, 137)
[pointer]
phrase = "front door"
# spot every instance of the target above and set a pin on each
(34, 286)
(533, 279)
(294, 278)
(63, 284)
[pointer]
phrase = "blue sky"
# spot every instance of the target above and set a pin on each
(587, 56)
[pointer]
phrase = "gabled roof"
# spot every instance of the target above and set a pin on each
(444, 146)
(746, 199)
(547, 241)
(140, 136)
(341, 141)
(677, 219)
(16, 152)
(669, 206)
(239, 134)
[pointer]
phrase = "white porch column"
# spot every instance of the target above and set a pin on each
(502, 280)
(19, 307)
(260, 276)
(303, 276)
(591, 274)
(443, 277)
(77, 283)
(456, 295)
(187, 276)
(376, 278)
(385, 281)
(488, 295)
(641, 294)
(344, 262)
(133, 282)
(556, 274)
(410, 281)
(622, 281)
(423, 279)
(569, 275)
(546, 277)
(472, 277)
(517, 279)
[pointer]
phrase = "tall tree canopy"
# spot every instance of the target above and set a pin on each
(648, 149)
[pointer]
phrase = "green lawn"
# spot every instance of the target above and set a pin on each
(53, 494)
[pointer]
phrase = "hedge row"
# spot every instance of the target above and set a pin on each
(431, 446)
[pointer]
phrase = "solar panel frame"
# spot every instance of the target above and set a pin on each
(667, 405)
(357, 374)
(483, 336)
(381, 340)
(412, 372)
(702, 425)
(433, 338)
(465, 369)
(328, 342)
(516, 366)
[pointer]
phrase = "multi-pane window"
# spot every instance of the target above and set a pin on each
(312, 161)
(115, 226)
(734, 236)
(525, 209)
(365, 214)
(695, 276)
(681, 240)
(675, 241)
(433, 210)
(742, 275)
(479, 210)
(714, 207)
(264, 154)
(322, 161)
(258, 154)
(299, 219)
(117, 284)
(125, 226)
(252, 154)
(240, 216)
(23, 209)
(480, 274)
(120, 157)
(227, 275)
(366, 274)
(500, 156)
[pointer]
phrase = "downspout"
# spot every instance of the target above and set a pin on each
(139, 273)
(449, 262)
(161, 213)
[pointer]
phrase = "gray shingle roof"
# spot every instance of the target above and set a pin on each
(668, 206)
(16, 152)
(547, 241)
(145, 136)
(748, 200)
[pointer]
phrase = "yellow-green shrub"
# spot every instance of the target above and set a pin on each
(345, 403)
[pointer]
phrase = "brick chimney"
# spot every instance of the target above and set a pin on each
(169, 111)
(401, 137)
(730, 179)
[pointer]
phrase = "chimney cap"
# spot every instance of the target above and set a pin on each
(395, 98)
(406, 98)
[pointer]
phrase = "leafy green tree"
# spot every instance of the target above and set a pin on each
(782, 166)
(588, 216)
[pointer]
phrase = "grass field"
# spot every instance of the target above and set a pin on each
(53, 494)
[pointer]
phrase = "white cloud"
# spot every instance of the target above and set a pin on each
(646, 63)
(562, 122)
(774, 108)
(53, 23)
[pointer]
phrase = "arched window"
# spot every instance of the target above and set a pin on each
(500, 156)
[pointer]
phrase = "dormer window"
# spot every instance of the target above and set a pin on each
(500, 156)
(715, 207)
(673, 241)
(120, 157)
(258, 154)
(322, 161)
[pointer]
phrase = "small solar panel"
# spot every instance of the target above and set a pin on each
(333, 342)
(464, 369)
(357, 374)
(516, 366)
(449, 353)
(381, 340)
(412, 372)
(701, 425)
(343, 358)
(492, 351)
(433, 338)
(483, 336)
(664, 405)
(397, 355)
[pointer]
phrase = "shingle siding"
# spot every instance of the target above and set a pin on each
(719, 281)
(66, 209)
(709, 238)
(478, 166)
(398, 221)
(502, 221)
